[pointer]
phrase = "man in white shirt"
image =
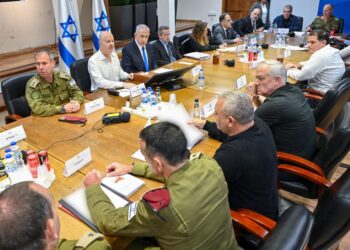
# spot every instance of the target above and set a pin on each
(104, 66)
(324, 69)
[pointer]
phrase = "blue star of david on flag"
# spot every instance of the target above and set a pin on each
(65, 27)
(99, 21)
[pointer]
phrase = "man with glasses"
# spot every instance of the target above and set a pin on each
(288, 21)
(223, 33)
(164, 49)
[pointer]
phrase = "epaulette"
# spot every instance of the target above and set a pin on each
(33, 83)
(87, 239)
(63, 75)
(195, 156)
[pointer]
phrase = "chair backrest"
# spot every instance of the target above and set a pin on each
(341, 25)
(332, 216)
(80, 73)
(292, 231)
(332, 103)
(186, 47)
(235, 24)
(178, 39)
(13, 91)
(301, 21)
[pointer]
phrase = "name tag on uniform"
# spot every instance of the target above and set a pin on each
(15, 134)
(94, 106)
(209, 108)
(241, 82)
(77, 162)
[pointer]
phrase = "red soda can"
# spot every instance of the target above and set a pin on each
(33, 164)
(44, 159)
(250, 56)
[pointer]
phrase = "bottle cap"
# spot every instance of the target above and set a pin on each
(196, 100)
(7, 156)
(8, 150)
(13, 143)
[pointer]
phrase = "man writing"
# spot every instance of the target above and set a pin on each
(48, 92)
(104, 66)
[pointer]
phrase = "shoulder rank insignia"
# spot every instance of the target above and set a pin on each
(157, 199)
(33, 83)
(87, 239)
(63, 75)
(195, 156)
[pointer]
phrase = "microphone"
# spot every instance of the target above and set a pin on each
(115, 117)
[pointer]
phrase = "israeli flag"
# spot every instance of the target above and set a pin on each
(99, 22)
(70, 43)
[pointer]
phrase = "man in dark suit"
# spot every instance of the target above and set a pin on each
(251, 23)
(165, 50)
(138, 56)
(223, 32)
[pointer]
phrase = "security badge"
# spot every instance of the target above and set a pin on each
(157, 199)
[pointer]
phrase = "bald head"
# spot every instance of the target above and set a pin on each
(328, 10)
(106, 43)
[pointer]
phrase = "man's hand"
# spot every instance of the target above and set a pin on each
(221, 46)
(93, 177)
(197, 123)
(237, 40)
(260, 29)
(116, 169)
(131, 76)
(72, 107)
(251, 90)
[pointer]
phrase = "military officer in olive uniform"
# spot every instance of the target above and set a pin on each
(29, 220)
(326, 22)
(50, 92)
(190, 212)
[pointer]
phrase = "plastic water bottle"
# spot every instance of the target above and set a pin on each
(246, 41)
(278, 40)
(144, 100)
(196, 110)
(283, 40)
(275, 28)
(260, 53)
(153, 99)
(10, 164)
(158, 95)
(201, 79)
(17, 154)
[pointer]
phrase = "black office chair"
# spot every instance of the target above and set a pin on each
(301, 21)
(341, 25)
(178, 40)
(235, 24)
(186, 47)
(13, 91)
(80, 73)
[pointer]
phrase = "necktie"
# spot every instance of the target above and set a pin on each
(145, 61)
(227, 34)
(172, 58)
(254, 25)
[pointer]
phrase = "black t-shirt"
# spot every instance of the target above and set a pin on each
(249, 163)
(291, 121)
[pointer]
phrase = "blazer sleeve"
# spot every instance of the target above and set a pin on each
(196, 46)
(126, 60)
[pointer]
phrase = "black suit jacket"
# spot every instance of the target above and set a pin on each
(219, 35)
(245, 25)
(132, 60)
(162, 56)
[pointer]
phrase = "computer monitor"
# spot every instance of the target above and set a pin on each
(169, 78)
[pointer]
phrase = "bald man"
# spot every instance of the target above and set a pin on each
(104, 66)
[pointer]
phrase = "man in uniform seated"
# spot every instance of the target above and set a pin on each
(247, 154)
(224, 33)
(29, 221)
(104, 67)
(49, 92)
(288, 20)
(190, 212)
(165, 50)
(327, 21)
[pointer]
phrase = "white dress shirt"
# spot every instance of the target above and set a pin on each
(323, 70)
(105, 74)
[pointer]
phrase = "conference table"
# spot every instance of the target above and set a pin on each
(117, 142)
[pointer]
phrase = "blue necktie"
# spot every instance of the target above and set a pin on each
(145, 59)
(172, 58)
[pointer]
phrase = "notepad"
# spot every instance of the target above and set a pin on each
(197, 55)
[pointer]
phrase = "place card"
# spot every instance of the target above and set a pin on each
(253, 40)
(195, 70)
(283, 30)
(209, 108)
(136, 90)
(240, 48)
(241, 82)
(261, 35)
(77, 162)
(15, 134)
(94, 106)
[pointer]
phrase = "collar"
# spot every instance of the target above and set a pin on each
(164, 43)
(139, 46)
(101, 57)
(178, 174)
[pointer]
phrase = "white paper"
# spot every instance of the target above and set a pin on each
(186, 63)
(261, 35)
(15, 134)
(298, 33)
(161, 70)
(179, 116)
(125, 184)
(77, 162)
(197, 55)
(136, 90)
(209, 108)
(124, 92)
(241, 82)
(283, 30)
(94, 105)
(229, 49)
(138, 155)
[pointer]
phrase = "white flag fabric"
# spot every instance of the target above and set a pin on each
(70, 43)
(99, 22)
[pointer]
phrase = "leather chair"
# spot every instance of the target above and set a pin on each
(292, 231)
(13, 91)
(341, 25)
(186, 47)
(235, 24)
(80, 73)
(331, 215)
(332, 149)
(301, 21)
(178, 40)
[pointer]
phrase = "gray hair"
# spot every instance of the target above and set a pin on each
(103, 33)
(47, 52)
(238, 105)
(276, 69)
(288, 6)
(141, 27)
(161, 29)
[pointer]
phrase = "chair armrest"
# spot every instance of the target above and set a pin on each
(314, 92)
(301, 162)
(258, 218)
(319, 180)
(249, 225)
(313, 97)
(12, 118)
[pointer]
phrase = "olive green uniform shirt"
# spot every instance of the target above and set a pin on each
(46, 98)
(197, 216)
(90, 241)
(332, 24)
